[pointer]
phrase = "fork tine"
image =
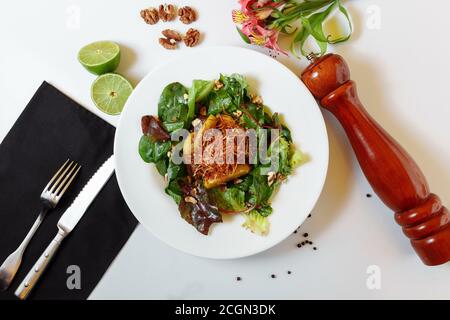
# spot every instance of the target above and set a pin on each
(68, 175)
(56, 175)
(62, 175)
(69, 182)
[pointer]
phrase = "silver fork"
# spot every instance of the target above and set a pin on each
(50, 197)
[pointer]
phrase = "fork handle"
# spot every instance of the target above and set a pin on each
(38, 269)
(12, 263)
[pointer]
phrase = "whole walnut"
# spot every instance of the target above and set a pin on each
(169, 44)
(150, 15)
(167, 12)
(192, 37)
(187, 15)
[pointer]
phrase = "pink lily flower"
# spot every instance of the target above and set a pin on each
(266, 38)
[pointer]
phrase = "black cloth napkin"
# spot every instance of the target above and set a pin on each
(50, 130)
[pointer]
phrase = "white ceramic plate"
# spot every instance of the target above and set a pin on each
(283, 92)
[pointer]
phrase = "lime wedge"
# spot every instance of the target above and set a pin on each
(110, 92)
(100, 57)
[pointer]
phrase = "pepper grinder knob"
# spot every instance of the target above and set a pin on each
(390, 170)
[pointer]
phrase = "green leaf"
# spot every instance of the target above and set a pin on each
(265, 211)
(284, 163)
(296, 157)
(247, 181)
(172, 106)
(286, 133)
(344, 11)
(173, 189)
(228, 199)
(151, 151)
(174, 126)
(161, 166)
(230, 96)
(175, 170)
(259, 192)
(312, 25)
(243, 36)
(256, 223)
(252, 116)
(199, 90)
(219, 102)
(299, 41)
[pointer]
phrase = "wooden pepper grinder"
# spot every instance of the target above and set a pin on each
(391, 171)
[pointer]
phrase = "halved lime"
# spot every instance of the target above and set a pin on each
(110, 92)
(100, 57)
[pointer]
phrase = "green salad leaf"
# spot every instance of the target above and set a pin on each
(230, 199)
(161, 166)
(153, 151)
(265, 211)
(259, 192)
(173, 107)
(256, 223)
(253, 116)
(173, 189)
(229, 97)
(284, 166)
(199, 90)
(296, 157)
(175, 170)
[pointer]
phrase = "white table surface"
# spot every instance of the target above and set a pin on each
(399, 58)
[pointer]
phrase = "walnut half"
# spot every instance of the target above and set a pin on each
(187, 15)
(171, 39)
(192, 37)
(168, 44)
(167, 12)
(150, 15)
(171, 34)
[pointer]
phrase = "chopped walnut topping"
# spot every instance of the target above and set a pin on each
(190, 200)
(237, 113)
(192, 37)
(150, 15)
(196, 122)
(171, 34)
(218, 85)
(271, 177)
(167, 12)
(187, 15)
(169, 44)
(257, 100)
